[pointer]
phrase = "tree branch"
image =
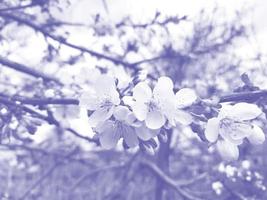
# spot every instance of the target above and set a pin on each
(63, 40)
(46, 101)
(244, 96)
(18, 7)
(241, 96)
(49, 119)
(26, 70)
(177, 185)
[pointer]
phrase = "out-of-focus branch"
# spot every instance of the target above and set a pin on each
(177, 185)
(45, 101)
(62, 40)
(44, 176)
(26, 70)
(32, 149)
(93, 172)
(244, 96)
(241, 96)
(48, 119)
(154, 21)
(18, 7)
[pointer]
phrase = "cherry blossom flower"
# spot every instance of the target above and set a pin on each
(123, 126)
(162, 104)
(101, 98)
(232, 126)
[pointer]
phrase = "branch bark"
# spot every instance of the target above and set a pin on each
(242, 96)
(18, 7)
(48, 119)
(26, 70)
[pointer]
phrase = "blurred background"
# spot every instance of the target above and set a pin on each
(56, 48)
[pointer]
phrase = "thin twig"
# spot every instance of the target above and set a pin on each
(62, 40)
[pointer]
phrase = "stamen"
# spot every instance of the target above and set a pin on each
(152, 106)
(233, 128)
(106, 104)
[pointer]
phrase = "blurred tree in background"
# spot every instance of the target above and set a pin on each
(49, 151)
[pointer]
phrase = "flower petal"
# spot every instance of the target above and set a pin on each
(164, 84)
(89, 100)
(130, 136)
(257, 136)
(114, 96)
(244, 111)
(104, 84)
(155, 120)
(128, 100)
(163, 90)
(212, 129)
(145, 134)
(228, 150)
(236, 132)
(140, 110)
(121, 112)
(185, 97)
(225, 111)
(183, 117)
(142, 92)
(132, 120)
(100, 115)
(109, 136)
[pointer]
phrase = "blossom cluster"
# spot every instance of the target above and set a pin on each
(136, 117)
(232, 125)
(140, 112)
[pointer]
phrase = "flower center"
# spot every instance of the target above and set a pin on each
(106, 104)
(121, 127)
(234, 128)
(153, 106)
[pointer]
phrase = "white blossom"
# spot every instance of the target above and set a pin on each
(232, 126)
(123, 126)
(162, 104)
(101, 98)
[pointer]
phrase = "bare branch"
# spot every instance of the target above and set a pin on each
(240, 96)
(244, 96)
(63, 40)
(18, 7)
(49, 119)
(177, 185)
(26, 70)
(45, 101)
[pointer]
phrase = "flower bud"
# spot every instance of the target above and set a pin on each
(31, 129)
(147, 149)
(152, 143)
(162, 136)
